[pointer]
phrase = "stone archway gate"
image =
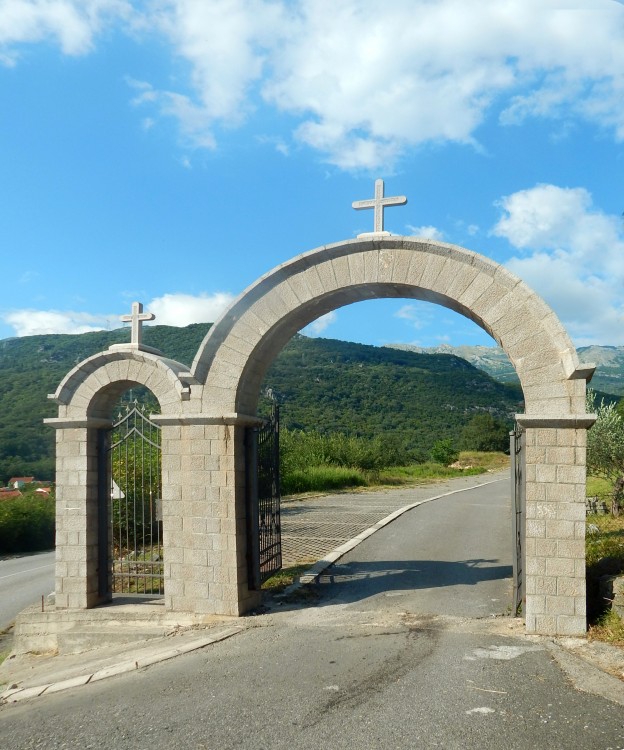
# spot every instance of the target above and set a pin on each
(205, 412)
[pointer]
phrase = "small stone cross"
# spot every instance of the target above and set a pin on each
(379, 203)
(137, 317)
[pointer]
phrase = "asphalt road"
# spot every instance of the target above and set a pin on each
(450, 557)
(23, 581)
(390, 655)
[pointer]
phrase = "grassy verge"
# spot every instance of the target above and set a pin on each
(608, 628)
(604, 547)
(598, 487)
(332, 478)
(286, 576)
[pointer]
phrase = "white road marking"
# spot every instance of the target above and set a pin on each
(22, 572)
(501, 653)
(481, 710)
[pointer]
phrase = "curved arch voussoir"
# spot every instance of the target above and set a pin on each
(235, 354)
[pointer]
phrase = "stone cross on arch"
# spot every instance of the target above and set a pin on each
(378, 203)
(137, 317)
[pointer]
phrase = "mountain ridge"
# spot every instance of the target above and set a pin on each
(609, 361)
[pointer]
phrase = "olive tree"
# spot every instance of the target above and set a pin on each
(605, 447)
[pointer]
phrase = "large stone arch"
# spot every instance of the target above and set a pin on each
(238, 350)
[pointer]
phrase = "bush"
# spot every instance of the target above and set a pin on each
(320, 479)
(484, 433)
(27, 524)
(444, 452)
(300, 450)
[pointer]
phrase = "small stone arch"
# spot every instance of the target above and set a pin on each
(86, 397)
(236, 353)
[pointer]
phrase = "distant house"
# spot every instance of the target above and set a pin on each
(43, 490)
(7, 492)
(17, 482)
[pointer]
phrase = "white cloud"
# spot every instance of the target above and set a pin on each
(73, 24)
(359, 85)
(320, 324)
(33, 322)
(183, 309)
(170, 309)
(418, 314)
(357, 79)
(429, 232)
(572, 254)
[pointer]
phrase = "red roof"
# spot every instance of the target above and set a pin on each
(26, 480)
(4, 494)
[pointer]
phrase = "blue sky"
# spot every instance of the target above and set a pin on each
(172, 151)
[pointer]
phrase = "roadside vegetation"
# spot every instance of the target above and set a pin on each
(27, 522)
(605, 531)
(311, 462)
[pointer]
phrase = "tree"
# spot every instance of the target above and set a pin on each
(605, 447)
(444, 452)
(484, 433)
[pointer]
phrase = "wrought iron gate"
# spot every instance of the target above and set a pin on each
(264, 531)
(518, 494)
(130, 477)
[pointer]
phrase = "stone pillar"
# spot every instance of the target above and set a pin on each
(204, 519)
(77, 560)
(555, 524)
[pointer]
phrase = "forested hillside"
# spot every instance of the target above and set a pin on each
(322, 384)
(609, 361)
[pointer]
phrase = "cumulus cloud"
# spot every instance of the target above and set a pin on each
(357, 80)
(33, 322)
(320, 324)
(572, 254)
(184, 309)
(359, 86)
(170, 309)
(72, 24)
(429, 232)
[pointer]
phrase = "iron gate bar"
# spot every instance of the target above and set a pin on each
(134, 470)
(263, 488)
(517, 454)
(103, 530)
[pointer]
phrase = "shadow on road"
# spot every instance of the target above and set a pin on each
(353, 582)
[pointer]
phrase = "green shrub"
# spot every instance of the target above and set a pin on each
(444, 452)
(484, 433)
(300, 450)
(26, 524)
(320, 479)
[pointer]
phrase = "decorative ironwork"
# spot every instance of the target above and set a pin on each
(263, 495)
(518, 493)
(135, 490)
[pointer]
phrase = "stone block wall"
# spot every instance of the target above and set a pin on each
(204, 519)
(555, 530)
(77, 519)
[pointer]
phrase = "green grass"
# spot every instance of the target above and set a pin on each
(335, 478)
(607, 543)
(322, 479)
(286, 576)
(608, 628)
(419, 473)
(491, 461)
(598, 487)
(604, 550)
